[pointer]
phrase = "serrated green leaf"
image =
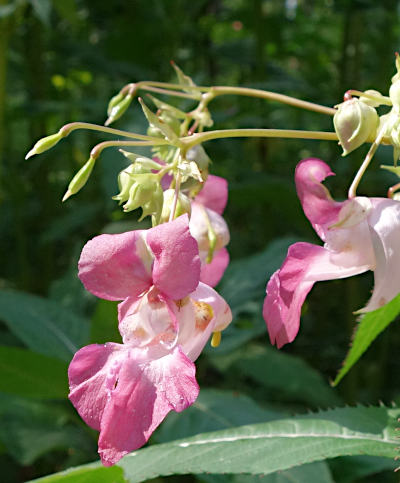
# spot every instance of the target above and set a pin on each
(317, 472)
(368, 329)
(214, 409)
(26, 373)
(91, 473)
(269, 447)
(43, 325)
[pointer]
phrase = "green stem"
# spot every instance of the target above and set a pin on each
(367, 160)
(272, 96)
(240, 91)
(68, 128)
(96, 151)
(199, 138)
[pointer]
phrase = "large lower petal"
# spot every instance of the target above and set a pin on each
(176, 269)
(384, 222)
(92, 375)
(114, 267)
(214, 194)
(315, 198)
(146, 390)
(288, 287)
(211, 273)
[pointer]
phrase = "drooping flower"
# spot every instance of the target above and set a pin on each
(359, 234)
(165, 319)
(210, 229)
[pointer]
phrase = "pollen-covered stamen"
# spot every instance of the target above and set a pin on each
(203, 314)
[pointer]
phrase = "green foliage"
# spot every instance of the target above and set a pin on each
(92, 473)
(368, 329)
(29, 374)
(287, 443)
(43, 325)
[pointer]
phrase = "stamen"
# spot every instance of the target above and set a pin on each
(216, 339)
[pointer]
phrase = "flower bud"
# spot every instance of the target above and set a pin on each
(119, 109)
(146, 192)
(354, 123)
(45, 143)
(114, 101)
(394, 94)
(183, 205)
(125, 182)
(80, 179)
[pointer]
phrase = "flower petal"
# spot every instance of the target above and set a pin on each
(114, 267)
(201, 219)
(288, 287)
(205, 312)
(384, 224)
(147, 389)
(315, 198)
(214, 194)
(92, 374)
(176, 269)
(211, 273)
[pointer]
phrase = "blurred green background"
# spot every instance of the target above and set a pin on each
(61, 61)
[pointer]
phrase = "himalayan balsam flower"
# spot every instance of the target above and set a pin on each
(165, 318)
(207, 209)
(359, 234)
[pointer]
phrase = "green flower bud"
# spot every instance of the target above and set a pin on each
(183, 205)
(172, 121)
(80, 179)
(354, 122)
(125, 182)
(114, 101)
(44, 144)
(119, 109)
(146, 192)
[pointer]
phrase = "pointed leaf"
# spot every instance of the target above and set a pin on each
(269, 447)
(368, 329)
(154, 121)
(91, 473)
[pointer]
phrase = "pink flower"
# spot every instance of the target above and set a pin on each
(359, 234)
(207, 209)
(166, 317)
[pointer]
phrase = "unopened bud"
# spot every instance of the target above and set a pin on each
(183, 205)
(125, 182)
(80, 179)
(114, 101)
(119, 109)
(45, 143)
(354, 122)
(146, 192)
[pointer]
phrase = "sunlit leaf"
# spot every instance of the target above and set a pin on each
(368, 329)
(269, 447)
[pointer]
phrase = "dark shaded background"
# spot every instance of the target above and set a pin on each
(62, 60)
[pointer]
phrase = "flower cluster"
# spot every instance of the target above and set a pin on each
(166, 316)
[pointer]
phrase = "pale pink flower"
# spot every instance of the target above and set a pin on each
(359, 234)
(207, 209)
(166, 317)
